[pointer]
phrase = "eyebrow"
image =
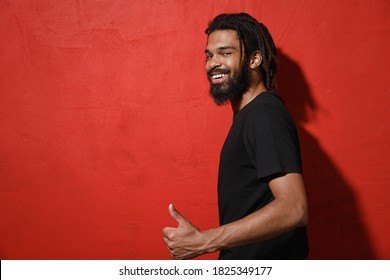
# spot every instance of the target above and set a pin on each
(221, 49)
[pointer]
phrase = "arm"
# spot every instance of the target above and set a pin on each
(286, 212)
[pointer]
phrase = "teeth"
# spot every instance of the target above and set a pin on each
(218, 76)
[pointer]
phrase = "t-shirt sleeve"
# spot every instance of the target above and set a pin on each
(271, 141)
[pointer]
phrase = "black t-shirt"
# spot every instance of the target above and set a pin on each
(262, 143)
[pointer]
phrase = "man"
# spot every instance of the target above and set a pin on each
(261, 196)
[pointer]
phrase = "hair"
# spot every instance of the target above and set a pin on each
(253, 36)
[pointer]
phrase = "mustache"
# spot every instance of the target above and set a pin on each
(215, 71)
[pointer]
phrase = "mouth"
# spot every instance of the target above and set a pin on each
(217, 78)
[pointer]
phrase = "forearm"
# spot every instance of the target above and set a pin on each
(287, 211)
(268, 222)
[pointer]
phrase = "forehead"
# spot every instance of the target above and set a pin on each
(222, 39)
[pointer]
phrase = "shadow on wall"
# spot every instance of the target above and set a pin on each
(335, 227)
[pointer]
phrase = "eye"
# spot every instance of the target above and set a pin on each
(226, 53)
(208, 56)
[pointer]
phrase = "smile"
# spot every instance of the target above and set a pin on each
(218, 78)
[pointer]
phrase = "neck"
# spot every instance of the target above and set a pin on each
(247, 97)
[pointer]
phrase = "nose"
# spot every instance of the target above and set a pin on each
(213, 62)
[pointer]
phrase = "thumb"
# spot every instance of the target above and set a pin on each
(176, 215)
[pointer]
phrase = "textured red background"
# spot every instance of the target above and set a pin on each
(105, 119)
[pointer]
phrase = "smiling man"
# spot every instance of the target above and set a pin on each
(261, 196)
(232, 80)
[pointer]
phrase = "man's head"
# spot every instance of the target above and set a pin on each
(234, 40)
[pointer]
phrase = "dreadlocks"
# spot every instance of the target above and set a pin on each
(253, 36)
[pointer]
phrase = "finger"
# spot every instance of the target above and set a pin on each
(168, 242)
(176, 215)
(170, 245)
(167, 232)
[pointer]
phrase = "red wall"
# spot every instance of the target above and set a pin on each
(105, 119)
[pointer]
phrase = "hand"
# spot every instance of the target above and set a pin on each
(186, 241)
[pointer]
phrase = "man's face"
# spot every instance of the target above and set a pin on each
(229, 76)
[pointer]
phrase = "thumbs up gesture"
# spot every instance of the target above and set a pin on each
(186, 241)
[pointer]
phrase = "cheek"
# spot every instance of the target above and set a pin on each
(232, 64)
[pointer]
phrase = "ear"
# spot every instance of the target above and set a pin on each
(255, 60)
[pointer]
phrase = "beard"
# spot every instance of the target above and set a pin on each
(233, 88)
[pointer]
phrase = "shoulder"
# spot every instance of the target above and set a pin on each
(269, 113)
(267, 102)
(268, 106)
